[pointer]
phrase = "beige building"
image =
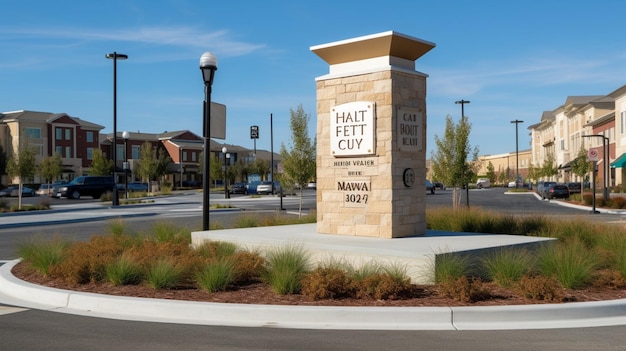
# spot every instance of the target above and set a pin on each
(581, 124)
(505, 165)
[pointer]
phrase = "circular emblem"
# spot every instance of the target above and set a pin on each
(408, 177)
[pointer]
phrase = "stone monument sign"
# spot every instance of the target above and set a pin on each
(371, 137)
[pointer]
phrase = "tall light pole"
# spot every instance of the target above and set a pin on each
(516, 154)
(605, 156)
(226, 157)
(462, 103)
(208, 66)
(115, 56)
(126, 135)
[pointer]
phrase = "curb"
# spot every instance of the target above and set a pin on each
(570, 315)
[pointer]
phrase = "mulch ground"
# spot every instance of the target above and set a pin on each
(258, 293)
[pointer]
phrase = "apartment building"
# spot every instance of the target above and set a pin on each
(73, 138)
(581, 124)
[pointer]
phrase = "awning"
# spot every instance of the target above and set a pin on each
(620, 162)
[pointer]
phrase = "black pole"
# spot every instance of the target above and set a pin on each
(272, 150)
(126, 168)
(207, 155)
(516, 153)
(605, 144)
(463, 102)
(116, 200)
(593, 185)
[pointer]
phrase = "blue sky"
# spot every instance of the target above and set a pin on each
(511, 59)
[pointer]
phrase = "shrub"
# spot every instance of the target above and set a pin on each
(285, 269)
(216, 275)
(246, 221)
(327, 283)
(609, 278)
(507, 266)
(365, 270)
(216, 249)
(124, 271)
(86, 262)
(249, 265)
(383, 287)
(164, 274)
(40, 254)
(464, 289)
(540, 288)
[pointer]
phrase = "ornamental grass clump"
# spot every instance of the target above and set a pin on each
(217, 275)
(124, 271)
(285, 269)
(507, 266)
(164, 273)
(41, 254)
(571, 263)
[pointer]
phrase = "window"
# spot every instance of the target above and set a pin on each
(135, 152)
(68, 134)
(68, 152)
(194, 156)
(58, 132)
(59, 150)
(622, 125)
(90, 137)
(90, 153)
(562, 144)
(184, 156)
(120, 152)
(33, 133)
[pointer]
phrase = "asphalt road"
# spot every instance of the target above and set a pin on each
(47, 330)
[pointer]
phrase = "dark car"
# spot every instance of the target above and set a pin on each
(239, 188)
(93, 186)
(574, 187)
(430, 187)
(557, 191)
(13, 190)
(439, 185)
(542, 188)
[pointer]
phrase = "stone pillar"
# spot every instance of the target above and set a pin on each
(371, 137)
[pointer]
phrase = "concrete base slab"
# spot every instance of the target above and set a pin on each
(417, 254)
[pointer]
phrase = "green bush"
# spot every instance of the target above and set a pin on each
(571, 263)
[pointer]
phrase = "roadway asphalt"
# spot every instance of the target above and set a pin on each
(18, 293)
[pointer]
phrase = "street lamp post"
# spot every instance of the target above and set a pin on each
(516, 154)
(115, 56)
(605, 156)
(462, 103)
(180, 161)
(208, 66)
(126, 135)
(226, 157)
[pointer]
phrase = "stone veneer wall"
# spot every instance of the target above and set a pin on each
(392, 210)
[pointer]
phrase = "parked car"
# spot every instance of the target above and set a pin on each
(311, 185)
(239, 188)
(574, 187)
(93, 186)
(13, 191)
(430, 187)
(543, 186)
(439, 185)
(266, 188)
(137, 186)
(557, 191)
(483, 183)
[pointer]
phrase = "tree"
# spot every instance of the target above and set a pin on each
(99, 164)
(22, 166)
(50, 167)
(299, 161)
(450, 159)
(3, 161)
(162, 162)
(549, 167)
(580, 166)
(147, 164)
(491, 174)
(534, 173)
